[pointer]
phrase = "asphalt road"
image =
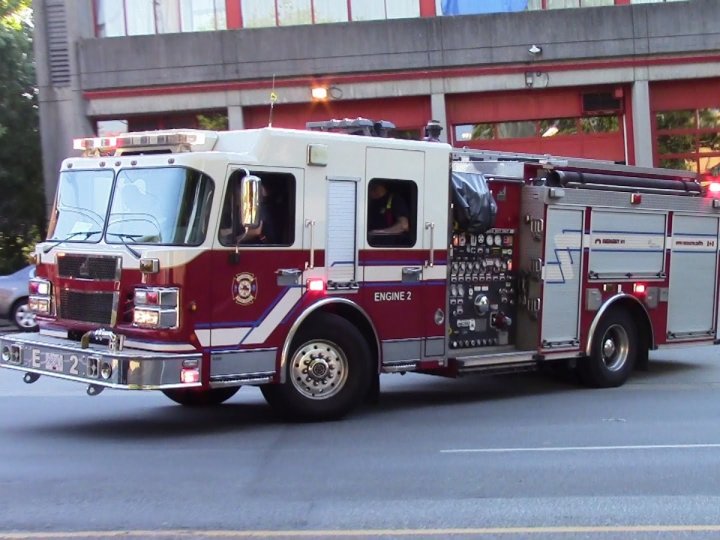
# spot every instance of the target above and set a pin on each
(526, 456)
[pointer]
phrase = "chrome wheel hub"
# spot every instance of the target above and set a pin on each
(24, 317)
(608, 348)
(615, 347)
(319, 369)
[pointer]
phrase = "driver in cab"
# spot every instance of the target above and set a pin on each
(388, 216)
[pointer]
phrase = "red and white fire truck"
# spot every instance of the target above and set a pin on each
(194, 262)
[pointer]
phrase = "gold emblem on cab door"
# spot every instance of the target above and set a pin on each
(244, 288)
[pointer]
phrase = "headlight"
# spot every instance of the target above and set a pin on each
(155, 318)
(39, 286)
(146, 317)
(40, 306)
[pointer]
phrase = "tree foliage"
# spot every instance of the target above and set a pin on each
(22, 202)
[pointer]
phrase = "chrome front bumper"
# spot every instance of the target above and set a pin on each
(97, 365)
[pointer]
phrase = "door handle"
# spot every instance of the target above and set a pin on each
(310, 224)
(431, 226)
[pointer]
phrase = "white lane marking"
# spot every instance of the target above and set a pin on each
(362, 533)
(579, 448)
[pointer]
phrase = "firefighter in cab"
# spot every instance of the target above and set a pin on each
(432, 131)
(388, 215)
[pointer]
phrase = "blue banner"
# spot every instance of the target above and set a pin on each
(473, 7)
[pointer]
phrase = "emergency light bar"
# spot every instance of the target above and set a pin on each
(353, 126)
(152, 141)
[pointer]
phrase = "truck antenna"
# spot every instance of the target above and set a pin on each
(273, 99)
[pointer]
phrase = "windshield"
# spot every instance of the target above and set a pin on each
(81, 205)
(169, 206)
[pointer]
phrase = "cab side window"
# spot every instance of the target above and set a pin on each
(391, 213)
(277, 211)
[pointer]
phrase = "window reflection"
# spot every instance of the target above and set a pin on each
(599, 124)
(709, 118)
(676, 119)
(560, 126)
(688, 139)
(548, 127)
(142, 17)
(515, 130)
(676, 144)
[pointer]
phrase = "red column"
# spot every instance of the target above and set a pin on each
(427, 8)
(233, 11)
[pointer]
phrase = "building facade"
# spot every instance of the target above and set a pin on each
(623, 80)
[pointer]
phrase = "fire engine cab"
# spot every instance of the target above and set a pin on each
(309, 262)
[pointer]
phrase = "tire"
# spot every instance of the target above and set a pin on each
(22, 317)
(614, 352)
(329, 372)
(200, 397)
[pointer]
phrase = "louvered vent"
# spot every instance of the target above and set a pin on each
(58, 56)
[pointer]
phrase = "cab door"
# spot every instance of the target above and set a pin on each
(393, 271)
(251, 293)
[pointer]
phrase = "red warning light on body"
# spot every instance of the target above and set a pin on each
(315, 285)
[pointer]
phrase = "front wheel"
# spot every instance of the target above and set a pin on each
(614, 352)
(200, 397)
(328, 372)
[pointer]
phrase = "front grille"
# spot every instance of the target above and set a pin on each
(95, 307)
(88, 267)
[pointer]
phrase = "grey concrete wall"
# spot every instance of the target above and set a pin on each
(410, 44)
(61, 107)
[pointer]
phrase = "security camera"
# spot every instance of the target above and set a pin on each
(535, 50)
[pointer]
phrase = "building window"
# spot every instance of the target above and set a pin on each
(110, 18)
(688, 139)
(392, 213)
(143, 17)
(264, 13)
(523, 129)
(330, 11)
(212, 120)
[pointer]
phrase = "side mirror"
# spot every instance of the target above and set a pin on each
(250, 194)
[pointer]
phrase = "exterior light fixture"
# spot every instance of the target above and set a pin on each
(324, 93)
(535, 50)
(320, 93)
(551, 131)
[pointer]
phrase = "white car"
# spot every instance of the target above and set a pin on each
(14, 299)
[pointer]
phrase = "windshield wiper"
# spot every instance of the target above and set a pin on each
(87, 234)
(123, 236)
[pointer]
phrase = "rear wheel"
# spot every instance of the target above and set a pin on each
(23, 317)
(200, 397)
(614, 351)
(328, 372)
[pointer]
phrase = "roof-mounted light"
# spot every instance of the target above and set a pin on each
(172, 140)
